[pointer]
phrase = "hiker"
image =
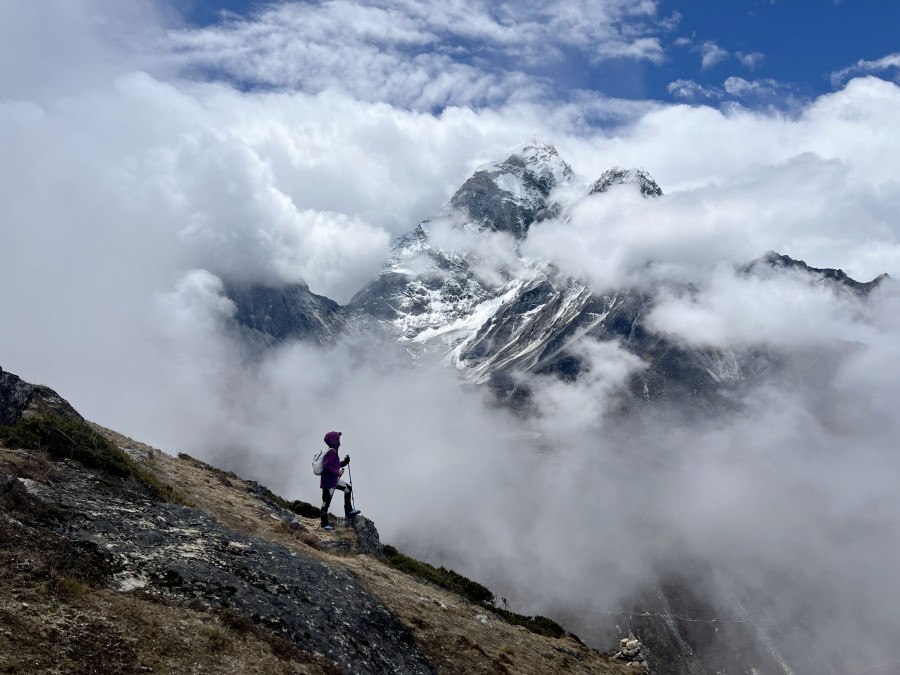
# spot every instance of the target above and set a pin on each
(332, 470)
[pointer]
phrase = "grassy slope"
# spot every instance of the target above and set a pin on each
(57, 615)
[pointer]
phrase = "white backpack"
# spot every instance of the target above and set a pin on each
(317, 461)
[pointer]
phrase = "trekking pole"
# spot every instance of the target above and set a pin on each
(352, 491)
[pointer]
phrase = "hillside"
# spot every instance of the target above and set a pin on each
(117, 557)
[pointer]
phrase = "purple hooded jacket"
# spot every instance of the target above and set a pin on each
(332, 464)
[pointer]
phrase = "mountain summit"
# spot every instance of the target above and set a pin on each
(455, 288)
(510, 195)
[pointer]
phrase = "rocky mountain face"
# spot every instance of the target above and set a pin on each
(837, 279)
(266, 316)
(526, 316)
(510, 195)
(101, 574)
(497, 319)
(619, 176)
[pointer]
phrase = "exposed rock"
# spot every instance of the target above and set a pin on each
(19, 399)
(631, 650)
(838, 278)
(619, 176)
(367, 537)
(268, 315)
(509, 196)
(183, 552)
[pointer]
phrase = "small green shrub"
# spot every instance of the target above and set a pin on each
(440, 576)
(305, 509)
(69, 587)
(218, 640)
(536, 624)
(471, 590)
(70, 439)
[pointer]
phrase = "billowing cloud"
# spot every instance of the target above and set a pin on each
(778, 307)
(129, 194)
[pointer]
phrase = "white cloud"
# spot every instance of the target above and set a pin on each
(863, 67)
(736, 87)
(755, 310)
(643, 48)
(765, 88)
(800, 208)
(418, 54)
(117, 185)
(690, 89)
(711, 54)
(750, 60)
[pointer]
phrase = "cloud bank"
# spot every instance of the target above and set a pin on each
(131, 188)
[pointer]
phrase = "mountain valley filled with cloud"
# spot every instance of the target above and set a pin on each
(613, 408)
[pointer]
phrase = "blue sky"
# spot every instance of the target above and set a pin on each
(784, 51)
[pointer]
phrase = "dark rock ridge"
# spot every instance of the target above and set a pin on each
(836, 278)
(19, 398)
(184, 553)
(267, 316)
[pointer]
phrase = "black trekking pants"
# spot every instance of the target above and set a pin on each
(328, 494)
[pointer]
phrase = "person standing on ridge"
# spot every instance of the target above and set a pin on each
(332, 470)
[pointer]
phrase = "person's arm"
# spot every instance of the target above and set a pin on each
(345, 461)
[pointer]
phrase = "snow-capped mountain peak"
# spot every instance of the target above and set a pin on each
(511, 194)
(619, 176)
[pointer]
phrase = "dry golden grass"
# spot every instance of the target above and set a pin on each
(456, 635)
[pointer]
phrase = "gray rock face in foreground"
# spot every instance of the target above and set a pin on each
(183, 552)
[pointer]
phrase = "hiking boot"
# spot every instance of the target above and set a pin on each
(353, 512)
(328, 528)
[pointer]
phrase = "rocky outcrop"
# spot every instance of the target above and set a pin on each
(184, 553)
(631, 650)
(19, 399)
(619, 176)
